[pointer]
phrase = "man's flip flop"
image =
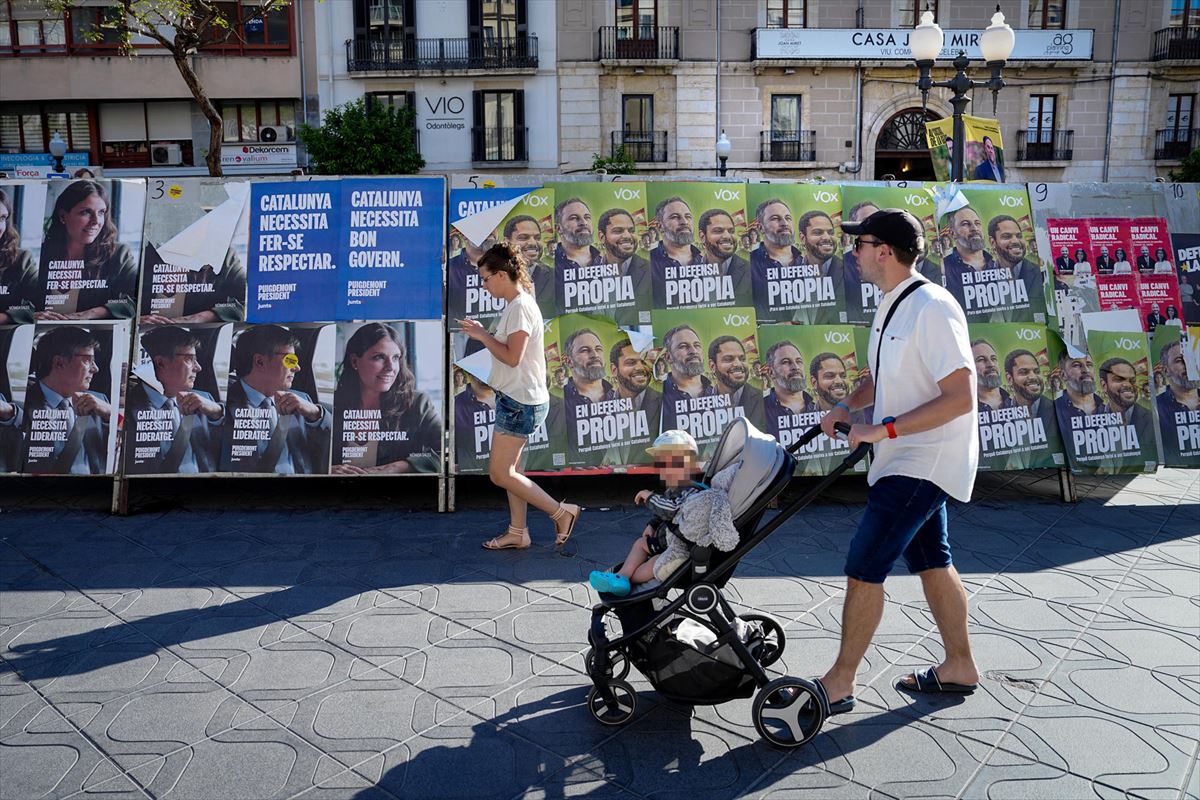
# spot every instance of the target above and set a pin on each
(845, 705)
(927, 682)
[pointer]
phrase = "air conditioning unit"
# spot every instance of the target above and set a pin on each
(276, 133)
(166, 155)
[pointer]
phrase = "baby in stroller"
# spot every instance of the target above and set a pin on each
(676, 458)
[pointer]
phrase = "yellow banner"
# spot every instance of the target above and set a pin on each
(983, 148)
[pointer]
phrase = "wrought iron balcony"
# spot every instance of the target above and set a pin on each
(788, 145)
(499, 144)
(1172, 43)
(1045, 145)
(641, 146)
(442, 55)
(639, 43)
(1174, 144)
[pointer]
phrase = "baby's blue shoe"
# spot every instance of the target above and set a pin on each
(609, 583)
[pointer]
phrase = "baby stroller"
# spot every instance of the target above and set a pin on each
(685, 637)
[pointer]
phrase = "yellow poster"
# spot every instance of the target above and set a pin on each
(983, 148)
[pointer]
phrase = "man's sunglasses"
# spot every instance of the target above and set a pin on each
(859, 242)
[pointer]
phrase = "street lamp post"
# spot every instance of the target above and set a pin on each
(997, 45)
(724, 148)
(58, 149)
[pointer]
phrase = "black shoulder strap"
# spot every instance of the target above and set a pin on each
(912, 287)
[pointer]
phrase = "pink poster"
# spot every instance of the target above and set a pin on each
(1109, 238)
(1117, 291)
(1150, 245)
(1159, 301)
(1068, 244)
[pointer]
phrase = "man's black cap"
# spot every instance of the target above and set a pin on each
(895, 226)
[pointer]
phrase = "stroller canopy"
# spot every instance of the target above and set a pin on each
(760, 456)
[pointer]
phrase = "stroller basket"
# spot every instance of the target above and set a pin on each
(730, 663)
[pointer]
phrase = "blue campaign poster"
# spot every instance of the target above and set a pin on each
(392, 235)
(295, 252)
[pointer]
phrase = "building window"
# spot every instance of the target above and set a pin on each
(1185, 13)
(244, 120)
(1042, 122)
(785, 117)
(1179, 117)
(910, 11)
(499, 20)
(26, 27)
(499, 129)
(384, 20)
(786, 13)
(637, 113)
(139, 135)
(395, 100)
(28, 127)
(1048, 14)
(638, 15)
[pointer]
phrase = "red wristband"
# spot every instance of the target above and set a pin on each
(890, 424)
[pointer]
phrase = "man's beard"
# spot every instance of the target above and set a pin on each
(719, 252)
(680, 238)
(989, 380)
(781, 239)
(576, 238)
(689, 369)
(972, 243)
(1014, 253)
(1119, 402)
(621, 249)
(732, 380)
(1026, 393)
(590, 374)
(1183, 382)
(531, 253)
(791, 385)
(1082, 386)
(833, 395)
(628, 384)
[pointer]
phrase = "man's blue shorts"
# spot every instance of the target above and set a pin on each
(905, 516)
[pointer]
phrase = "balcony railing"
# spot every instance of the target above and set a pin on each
(499, 144)
(639, 43)
(1176, 43)
(788, 145)
(642, 146)
(1175, 143)
(441, 55)
(1045, 145)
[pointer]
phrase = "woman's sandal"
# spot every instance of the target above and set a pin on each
(514, 539)
(561, 537)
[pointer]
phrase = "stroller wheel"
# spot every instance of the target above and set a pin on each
(787, 712)
(773, 638)
(626, 704)
(620, 664)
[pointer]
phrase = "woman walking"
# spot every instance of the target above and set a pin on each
(522, 400)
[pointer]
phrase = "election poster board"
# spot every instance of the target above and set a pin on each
(1104, 410)
(194, 261)
(175, 403)
(546, 450)
(697, 247)
(859, 201)
(796, 267)
(806, 370)
(598, 269)
(1176, 398)
(72, 397)
(1150, 246)
(88, 262)
(1183, 221)
(706, 368)
(992, 266)
(983, 149)
(387, 398)
(16, 346)
(1017, 424)
(22, 207)
(279, 401)
(612, 402)
(346, 249)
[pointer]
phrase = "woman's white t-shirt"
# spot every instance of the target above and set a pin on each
(526, 382)
(1163, 268)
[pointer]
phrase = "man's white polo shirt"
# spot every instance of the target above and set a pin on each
(926, 340)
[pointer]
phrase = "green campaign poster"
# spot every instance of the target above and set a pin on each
(991, 262)
(706, 365)
(796, 265)
(1176, 401)
(697, 247)
(599, 229)
(1104, 409)
(806, 370)
(1017, 424)
(859, 201)
(612, 402)
(547, 447)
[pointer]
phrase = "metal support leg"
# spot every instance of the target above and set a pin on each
(451, 485)
(120, 496)
(442, 494)
(1066, 486)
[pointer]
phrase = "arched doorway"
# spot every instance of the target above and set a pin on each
(901, 148)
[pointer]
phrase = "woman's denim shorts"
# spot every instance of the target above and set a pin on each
(518, 419)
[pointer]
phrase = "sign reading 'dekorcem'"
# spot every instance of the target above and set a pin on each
(891, 44)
